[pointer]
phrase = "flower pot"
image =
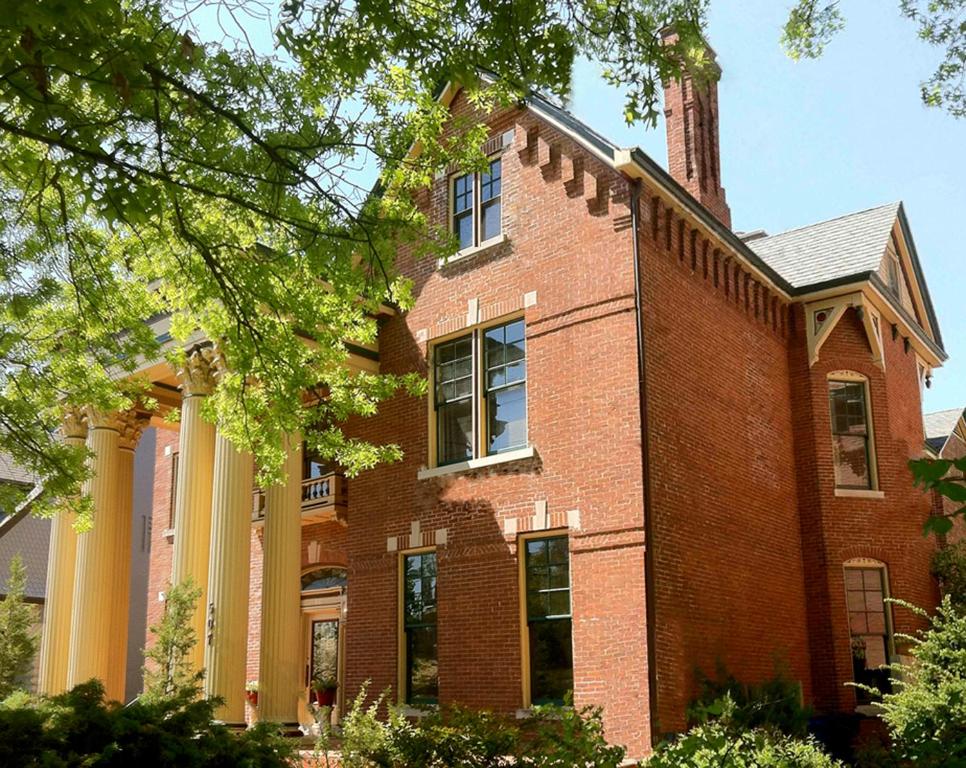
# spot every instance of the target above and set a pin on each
(252, 697)
(324, 697)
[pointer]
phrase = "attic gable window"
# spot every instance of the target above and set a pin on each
(893, 274)
(476, 206)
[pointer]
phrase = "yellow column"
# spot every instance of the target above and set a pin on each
(132, 425)
(94, 570)
(280, 661)
(226, 646)
(192, 516)
(55, 641)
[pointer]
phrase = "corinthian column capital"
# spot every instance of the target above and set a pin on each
(133, 424)
(97, 418)
(74, 424)
(198, 372)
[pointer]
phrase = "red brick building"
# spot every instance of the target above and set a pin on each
(651, 446)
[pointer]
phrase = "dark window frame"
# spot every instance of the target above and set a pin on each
(410, 625)
(533, 616)
(482, 183)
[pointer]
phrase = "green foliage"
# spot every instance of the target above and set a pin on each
(723, 743)
(774, 704)
(949, 568)
(812, 24)
(167, 671)
(554, 737)
(79, 728)
(926, 712)
(944, 476)
(18, 639)
(212, 162)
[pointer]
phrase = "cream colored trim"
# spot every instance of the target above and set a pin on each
(482, 463)
(836, 306)
(914, 333)
(854, 493)
(907, 276)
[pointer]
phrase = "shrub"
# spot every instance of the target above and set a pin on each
(722, 743)
(453, 737)
(79, 728)
(772, 704)
(18, 639)
(926, 712)
(167, 670)
(949, 568)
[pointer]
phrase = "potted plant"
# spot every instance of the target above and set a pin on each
(323, 690)
(251, 692)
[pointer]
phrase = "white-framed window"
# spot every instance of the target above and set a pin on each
(853, 441)
(475, 205)
(480, 393)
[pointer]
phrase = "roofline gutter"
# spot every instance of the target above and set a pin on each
(650, 608)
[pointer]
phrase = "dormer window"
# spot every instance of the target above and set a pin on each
(476, 206)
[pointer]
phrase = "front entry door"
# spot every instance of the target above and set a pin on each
(323, 639)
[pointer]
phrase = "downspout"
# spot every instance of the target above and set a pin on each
(649, 580)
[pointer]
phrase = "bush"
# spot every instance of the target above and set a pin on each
(555, 737)
(79, 728)
(773, 704)
(926, 712)
(949, 568)
(18, 639)
(722, 743)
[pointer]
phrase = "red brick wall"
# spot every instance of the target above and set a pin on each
(162, 547)
(583, 421)
(729, 586)
(837, 529)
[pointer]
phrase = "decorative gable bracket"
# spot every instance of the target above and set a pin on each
(822, 317)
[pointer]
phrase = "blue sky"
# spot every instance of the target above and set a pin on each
(807, 141)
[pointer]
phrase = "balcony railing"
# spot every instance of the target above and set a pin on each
(323, 498)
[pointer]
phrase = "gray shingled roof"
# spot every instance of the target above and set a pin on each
(940, 425)
(830, 250)
(29, 537)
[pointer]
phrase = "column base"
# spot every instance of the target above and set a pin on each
(239, 726)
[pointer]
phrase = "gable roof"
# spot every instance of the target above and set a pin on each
(830, 250)
(940, 425)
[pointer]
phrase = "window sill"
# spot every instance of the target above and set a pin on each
(850, 493)
(467, 253)
(482, 463)
(168, 533)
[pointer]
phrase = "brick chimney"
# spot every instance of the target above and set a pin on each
(691, 114)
